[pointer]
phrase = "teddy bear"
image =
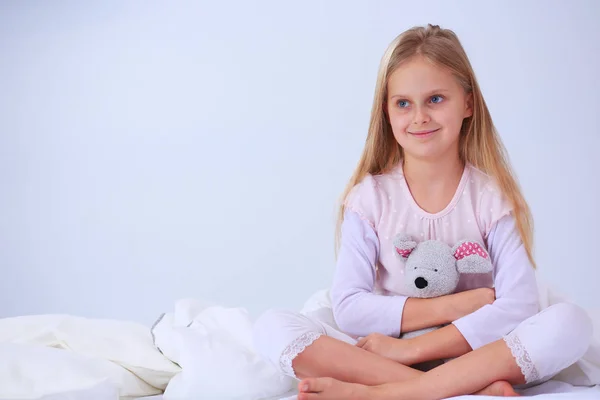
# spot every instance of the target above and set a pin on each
(432, 268)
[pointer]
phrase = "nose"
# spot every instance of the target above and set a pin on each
(421, 283)
(421, 116)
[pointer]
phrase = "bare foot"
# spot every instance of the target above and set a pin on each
(331, 389)
(499, 388)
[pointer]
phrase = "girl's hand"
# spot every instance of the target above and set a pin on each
(398, 350)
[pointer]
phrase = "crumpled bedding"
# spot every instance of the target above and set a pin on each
(195, 349)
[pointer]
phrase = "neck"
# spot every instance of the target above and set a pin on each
(425, 172)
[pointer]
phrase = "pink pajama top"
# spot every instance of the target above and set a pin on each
(367, 291)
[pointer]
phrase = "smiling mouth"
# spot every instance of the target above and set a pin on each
(425, 133)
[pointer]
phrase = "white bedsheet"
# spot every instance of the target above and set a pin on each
(53, 357)
(552, 390)
(213, 346)
(60, 355)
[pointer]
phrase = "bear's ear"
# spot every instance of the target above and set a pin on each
(471, 258)
(404, 245)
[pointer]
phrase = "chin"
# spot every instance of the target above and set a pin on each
(424, 154)
(430, 151)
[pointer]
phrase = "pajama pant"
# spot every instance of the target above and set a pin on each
(542, 345)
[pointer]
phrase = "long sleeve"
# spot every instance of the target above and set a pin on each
(515, 284)
(357, 310)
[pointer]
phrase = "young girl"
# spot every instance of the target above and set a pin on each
(433, 167)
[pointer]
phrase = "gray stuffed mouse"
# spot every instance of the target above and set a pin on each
(433, 268)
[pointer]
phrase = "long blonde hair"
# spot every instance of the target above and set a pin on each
(479, 143)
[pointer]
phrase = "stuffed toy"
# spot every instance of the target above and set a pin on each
(433, 268)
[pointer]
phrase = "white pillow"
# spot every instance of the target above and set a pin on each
(125, 343)
(213, 346)
(36, 372)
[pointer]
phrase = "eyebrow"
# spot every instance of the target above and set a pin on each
(432, 92)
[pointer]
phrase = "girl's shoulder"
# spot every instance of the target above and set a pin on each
(491, 204)
(365, 200)
(482, 181)
(368, 197)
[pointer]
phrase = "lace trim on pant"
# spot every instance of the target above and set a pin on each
(522, 358)
(295, 348)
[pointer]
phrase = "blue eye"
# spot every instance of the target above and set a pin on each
(437, 99)
(403, 104)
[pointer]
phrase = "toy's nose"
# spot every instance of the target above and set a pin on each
(421, 283)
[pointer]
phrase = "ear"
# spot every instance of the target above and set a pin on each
(386, 112)
(469, 105)
(471, 258)
(404, 245)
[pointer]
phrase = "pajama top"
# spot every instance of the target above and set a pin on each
(368, 291)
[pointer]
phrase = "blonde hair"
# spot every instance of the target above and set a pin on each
(479, 143)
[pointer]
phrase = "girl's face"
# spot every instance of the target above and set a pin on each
(426, 106)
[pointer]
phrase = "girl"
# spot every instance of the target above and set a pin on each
(433, 167)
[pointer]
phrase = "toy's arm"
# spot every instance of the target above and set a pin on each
(358, 311)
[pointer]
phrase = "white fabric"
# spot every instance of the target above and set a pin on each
(551, 390)
(282, 346)
(586, 371)
(531, 343)
(214, 347)
(297, 346)
(74, 358)
(521, 355)
(36, 372)
(50, 355)
(535, 334)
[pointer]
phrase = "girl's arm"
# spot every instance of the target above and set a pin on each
(359, 312)
(425, 313)
(516, 289)
(517, 300)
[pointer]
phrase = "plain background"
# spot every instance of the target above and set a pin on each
(152, 151)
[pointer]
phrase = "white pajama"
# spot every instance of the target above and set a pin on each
(550, 341)
(280, 335)
(543, 345)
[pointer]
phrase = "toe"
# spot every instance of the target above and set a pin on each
(314, 385)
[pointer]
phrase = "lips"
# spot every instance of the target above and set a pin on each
(424, 133)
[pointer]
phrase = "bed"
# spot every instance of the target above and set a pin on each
(552, 390)
(194, 349)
